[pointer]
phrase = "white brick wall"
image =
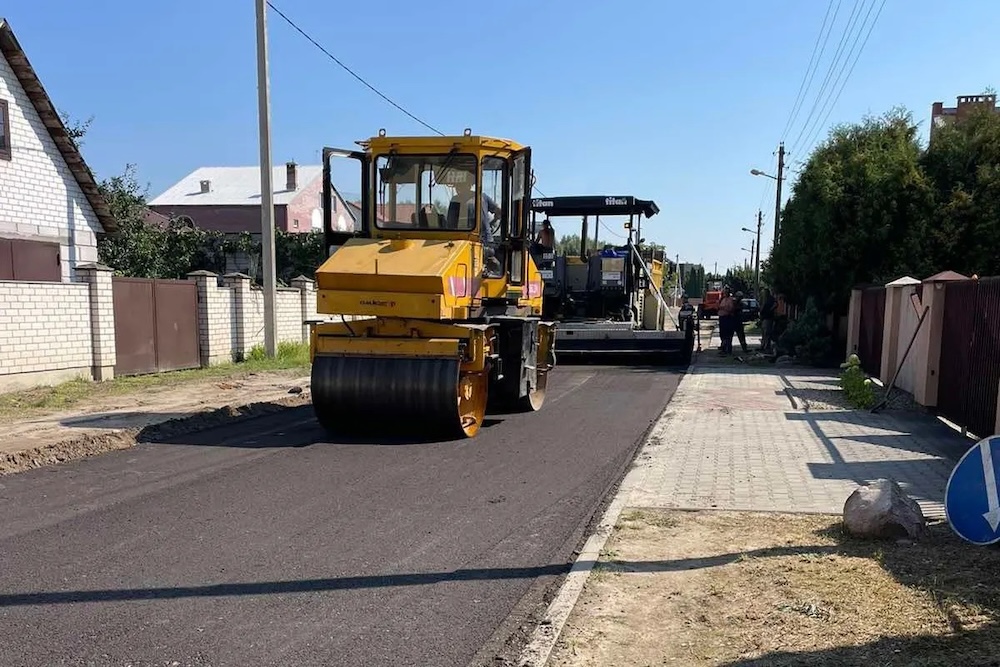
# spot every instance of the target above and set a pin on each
(51, 331)
(39, 198)
(44, 327)
(288, 308)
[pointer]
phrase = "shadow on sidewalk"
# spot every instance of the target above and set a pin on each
(951, 570)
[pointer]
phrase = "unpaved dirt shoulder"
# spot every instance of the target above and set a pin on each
(735, 589)
(92, 444)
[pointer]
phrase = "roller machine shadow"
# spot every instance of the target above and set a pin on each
(430, 312)
(608, 301)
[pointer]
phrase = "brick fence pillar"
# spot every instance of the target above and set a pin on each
(240, 284)
(896, 294)
(102, 319)
(207, 284)
(927, 346)
(307, 294)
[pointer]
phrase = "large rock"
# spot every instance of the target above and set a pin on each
(881, 509)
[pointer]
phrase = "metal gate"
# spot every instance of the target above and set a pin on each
(970, 355)
(870, 330)
(156, 325)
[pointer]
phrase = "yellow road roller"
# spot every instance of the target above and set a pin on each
(432, 303)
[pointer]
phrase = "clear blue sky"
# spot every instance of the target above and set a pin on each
(668, 100)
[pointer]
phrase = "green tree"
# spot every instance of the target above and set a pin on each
(740, 279)
(858, 213)
(962, 163)
(569, 244)
(76, 129)
(136, 249)
(694, 280)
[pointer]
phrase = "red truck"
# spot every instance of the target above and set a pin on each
(709, 305)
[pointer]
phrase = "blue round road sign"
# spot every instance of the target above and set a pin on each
(971, 500)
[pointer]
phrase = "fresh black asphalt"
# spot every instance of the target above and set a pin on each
(263, 543)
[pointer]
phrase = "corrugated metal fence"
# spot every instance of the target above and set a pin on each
(970, 355)
(870, 329)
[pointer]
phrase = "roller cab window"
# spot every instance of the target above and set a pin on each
(426, 192)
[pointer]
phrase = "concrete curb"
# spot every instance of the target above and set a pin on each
(93, 444)
(538, 650)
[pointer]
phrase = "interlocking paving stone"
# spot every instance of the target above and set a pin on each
(773, 439)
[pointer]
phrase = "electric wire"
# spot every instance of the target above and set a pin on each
(357, 76)
(851, 20)
(813, 138)
(350, 71)
(811, 68)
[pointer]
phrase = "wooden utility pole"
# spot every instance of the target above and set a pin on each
(756, 271)
(777, 200)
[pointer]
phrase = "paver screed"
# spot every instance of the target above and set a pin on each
(779, 438)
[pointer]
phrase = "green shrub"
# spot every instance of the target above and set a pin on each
(807, 337)
(856, 385)
(256, 353)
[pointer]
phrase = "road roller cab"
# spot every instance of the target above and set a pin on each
(432, 303)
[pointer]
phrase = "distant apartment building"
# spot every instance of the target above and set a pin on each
(940, 114)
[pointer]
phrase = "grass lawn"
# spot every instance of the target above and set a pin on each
(290, 356)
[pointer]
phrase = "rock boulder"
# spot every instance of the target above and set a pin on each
(882, 509)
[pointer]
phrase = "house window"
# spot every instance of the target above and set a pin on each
(295, 223)
(333, 202)
(4, 131)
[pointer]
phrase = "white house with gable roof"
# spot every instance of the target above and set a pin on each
(51, 209)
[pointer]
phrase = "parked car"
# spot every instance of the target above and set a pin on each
(751, 310)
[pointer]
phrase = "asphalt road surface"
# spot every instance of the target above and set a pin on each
(264, 544)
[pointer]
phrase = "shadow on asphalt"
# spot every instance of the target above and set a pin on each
(120, 419)
(293, 427)
(280, 587)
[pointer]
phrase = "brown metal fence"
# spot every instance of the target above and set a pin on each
(870, 329)
(156, 325)
(970, 355)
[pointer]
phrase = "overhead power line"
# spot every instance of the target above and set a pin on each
(851, 20)
(360, 78)
(850, 71)
(350, 71)
(811, 68)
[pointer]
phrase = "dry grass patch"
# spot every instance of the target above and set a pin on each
(733, 588)
(291, 359)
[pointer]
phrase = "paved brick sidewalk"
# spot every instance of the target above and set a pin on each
(779, 438)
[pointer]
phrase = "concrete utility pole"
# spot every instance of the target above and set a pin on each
(755, 262)
(777, 201)
(266, 191)
(756, 271)
(677, 288)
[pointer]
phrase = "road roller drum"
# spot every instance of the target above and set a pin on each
(370, 393)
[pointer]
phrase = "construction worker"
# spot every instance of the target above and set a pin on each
(727, 308)
(546, 236)
(490, 211)
(738, 323)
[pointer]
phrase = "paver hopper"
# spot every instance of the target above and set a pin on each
(608, 301)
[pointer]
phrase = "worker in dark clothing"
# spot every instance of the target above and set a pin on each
(767, 320)
(738, 323)
(727, 307)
